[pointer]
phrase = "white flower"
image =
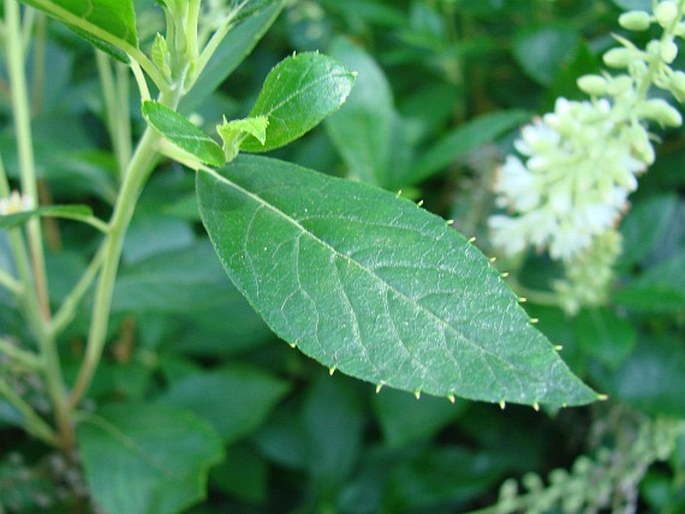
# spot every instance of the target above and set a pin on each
(15, 203)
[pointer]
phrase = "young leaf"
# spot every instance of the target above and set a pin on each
(298, 93)
(110, 24)
(180, 131)
(159, 456)
(233, 132)
(372, 285)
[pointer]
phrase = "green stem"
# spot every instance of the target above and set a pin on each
(68, 309)
(142, 163)
(33, 423)
(24, 138)
(123, 119)
(28, 360)
(10, 283)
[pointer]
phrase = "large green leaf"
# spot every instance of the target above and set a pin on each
(298, 93)
(147, 459)
(112, 22)
(361, 131)
(370, 284)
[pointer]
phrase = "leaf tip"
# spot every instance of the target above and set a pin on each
(602, 397)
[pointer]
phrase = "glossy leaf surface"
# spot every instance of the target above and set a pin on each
(298, 93)
(180, 131)
(370, 284)
(112, 22)
(147, 459)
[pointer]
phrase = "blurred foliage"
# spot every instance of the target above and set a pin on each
(446, 83)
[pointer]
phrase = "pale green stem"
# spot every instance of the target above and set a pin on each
(28, 360)
(31, 269)
(123, 119)
(142, 163)
(24, 139)
(67, 311)
(109, 97)
(10, 283)
(33, 423)
(38, 63)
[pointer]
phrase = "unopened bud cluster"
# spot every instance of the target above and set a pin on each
(577, 165)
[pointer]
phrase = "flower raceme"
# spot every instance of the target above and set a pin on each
(576, 166)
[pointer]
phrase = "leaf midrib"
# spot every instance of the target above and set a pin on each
(482, 351)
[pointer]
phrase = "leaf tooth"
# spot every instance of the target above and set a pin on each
(417, 394)
(450, 222)
(419, 203)
(558, 348)
(534, 321)
(379, 387)
(331, 370)
(293, 345)
(504, 274)
(451, 398)
(399, 193)
(502, 404)
(523, 299)
(493, 260)
(536, 406)
(472, 239)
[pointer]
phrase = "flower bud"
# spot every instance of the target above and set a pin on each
(618, 57)
(660, 111)
(635, 20)
(666, 12)
(593, 85)
(676, 85)
(668, 51)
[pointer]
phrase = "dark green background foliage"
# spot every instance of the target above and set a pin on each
(442, 87)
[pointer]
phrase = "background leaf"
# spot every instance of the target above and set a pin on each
(361, 131)
(334, 267)
(235, 399)
(147, 459)
(298, 93)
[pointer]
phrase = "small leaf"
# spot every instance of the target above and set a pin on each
(75, 212)
(234, 132)
(180, 131)
(110, 24)
(147, 459)
(371, 285)
(298, 93)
